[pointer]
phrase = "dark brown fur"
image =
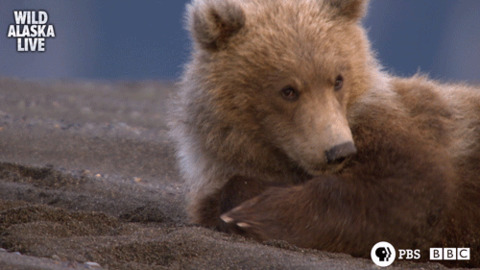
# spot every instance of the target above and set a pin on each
(236, 191)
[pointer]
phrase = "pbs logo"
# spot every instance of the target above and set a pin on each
(383, 254)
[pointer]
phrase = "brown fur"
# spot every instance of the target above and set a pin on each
(415, 180)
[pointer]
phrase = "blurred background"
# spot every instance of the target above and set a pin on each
(145, 40)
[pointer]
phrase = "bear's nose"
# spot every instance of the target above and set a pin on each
(338, 153)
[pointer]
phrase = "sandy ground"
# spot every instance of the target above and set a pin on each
(88, 181)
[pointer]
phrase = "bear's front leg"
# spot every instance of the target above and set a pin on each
(275, 215)
(236, 191)
(337, 215)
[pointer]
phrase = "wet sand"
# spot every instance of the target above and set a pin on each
(88, 181)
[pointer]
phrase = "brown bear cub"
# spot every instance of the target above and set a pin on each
(287, 128)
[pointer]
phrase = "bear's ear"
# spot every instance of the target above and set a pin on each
(213, 22)
(350, 9)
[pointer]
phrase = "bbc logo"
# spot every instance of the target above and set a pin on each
(450, 254)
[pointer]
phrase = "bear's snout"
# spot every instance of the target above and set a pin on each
(339, 153)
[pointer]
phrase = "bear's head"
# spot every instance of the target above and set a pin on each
(279, 74)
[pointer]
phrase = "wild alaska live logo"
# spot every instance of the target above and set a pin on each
(31, 29)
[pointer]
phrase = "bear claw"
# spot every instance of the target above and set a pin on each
(243, 225)
(226, 218)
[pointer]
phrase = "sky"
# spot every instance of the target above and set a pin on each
(146, 40)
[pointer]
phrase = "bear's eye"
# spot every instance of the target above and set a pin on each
(338, 83)
(289, 93)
